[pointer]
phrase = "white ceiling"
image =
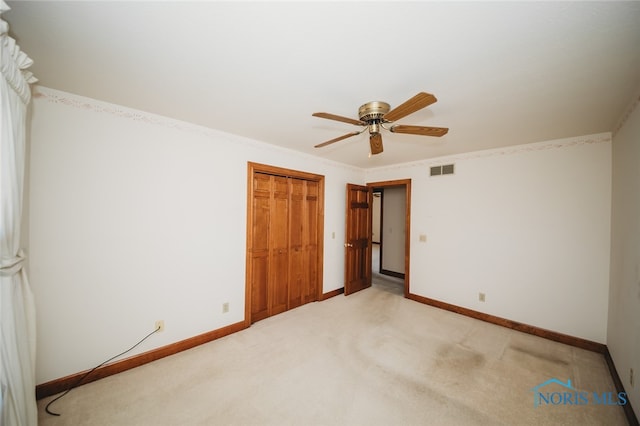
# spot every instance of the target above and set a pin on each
(504, 73)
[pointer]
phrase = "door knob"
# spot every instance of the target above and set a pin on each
(348, 245)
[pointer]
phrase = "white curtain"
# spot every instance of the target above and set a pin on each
(17, 310)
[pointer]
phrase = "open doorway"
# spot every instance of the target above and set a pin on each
(391, 218)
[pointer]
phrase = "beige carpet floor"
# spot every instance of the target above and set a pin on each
(372, 358)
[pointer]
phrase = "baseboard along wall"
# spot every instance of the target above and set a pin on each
(540, 332)
(60, 385)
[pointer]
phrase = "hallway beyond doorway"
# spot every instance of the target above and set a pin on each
(385, 282)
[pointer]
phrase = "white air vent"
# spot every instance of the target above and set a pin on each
(446, 169)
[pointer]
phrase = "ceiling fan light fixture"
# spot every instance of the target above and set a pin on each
(375, 115)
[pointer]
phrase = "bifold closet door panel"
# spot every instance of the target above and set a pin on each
(259, 271)
(310, 239)
(296, 249)
(279, 246)
(284, 244)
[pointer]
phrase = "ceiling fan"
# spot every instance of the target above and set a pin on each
(376, 115)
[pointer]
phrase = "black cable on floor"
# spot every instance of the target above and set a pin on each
(76, 384)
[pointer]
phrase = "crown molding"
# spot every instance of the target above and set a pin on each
(89, 104)
(630, 109)
(498, 152)
(80, 102)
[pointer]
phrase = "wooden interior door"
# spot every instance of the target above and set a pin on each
(358, 239)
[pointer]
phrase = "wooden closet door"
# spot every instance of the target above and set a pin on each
(270, 246)
(310, 237)
(284, 240)
(279, 246)
(259, 250)
(296, 253)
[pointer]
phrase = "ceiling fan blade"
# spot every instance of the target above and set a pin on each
(339, 118)
(375, 141)
(419, 101)
(348, 135)
(419, 130)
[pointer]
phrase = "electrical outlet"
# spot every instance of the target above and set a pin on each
(225, 307)
(481, 297)
(160, 325)
(631, 377)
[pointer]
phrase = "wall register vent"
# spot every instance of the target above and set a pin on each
(446, 169)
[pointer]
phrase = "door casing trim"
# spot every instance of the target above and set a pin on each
(407, 237)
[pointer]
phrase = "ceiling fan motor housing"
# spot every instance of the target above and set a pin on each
(372, 113)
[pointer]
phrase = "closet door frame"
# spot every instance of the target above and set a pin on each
(253, 168)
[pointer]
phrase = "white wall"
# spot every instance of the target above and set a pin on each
(393, 228)
(528, 226)
(136, 218)
(623, 336)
